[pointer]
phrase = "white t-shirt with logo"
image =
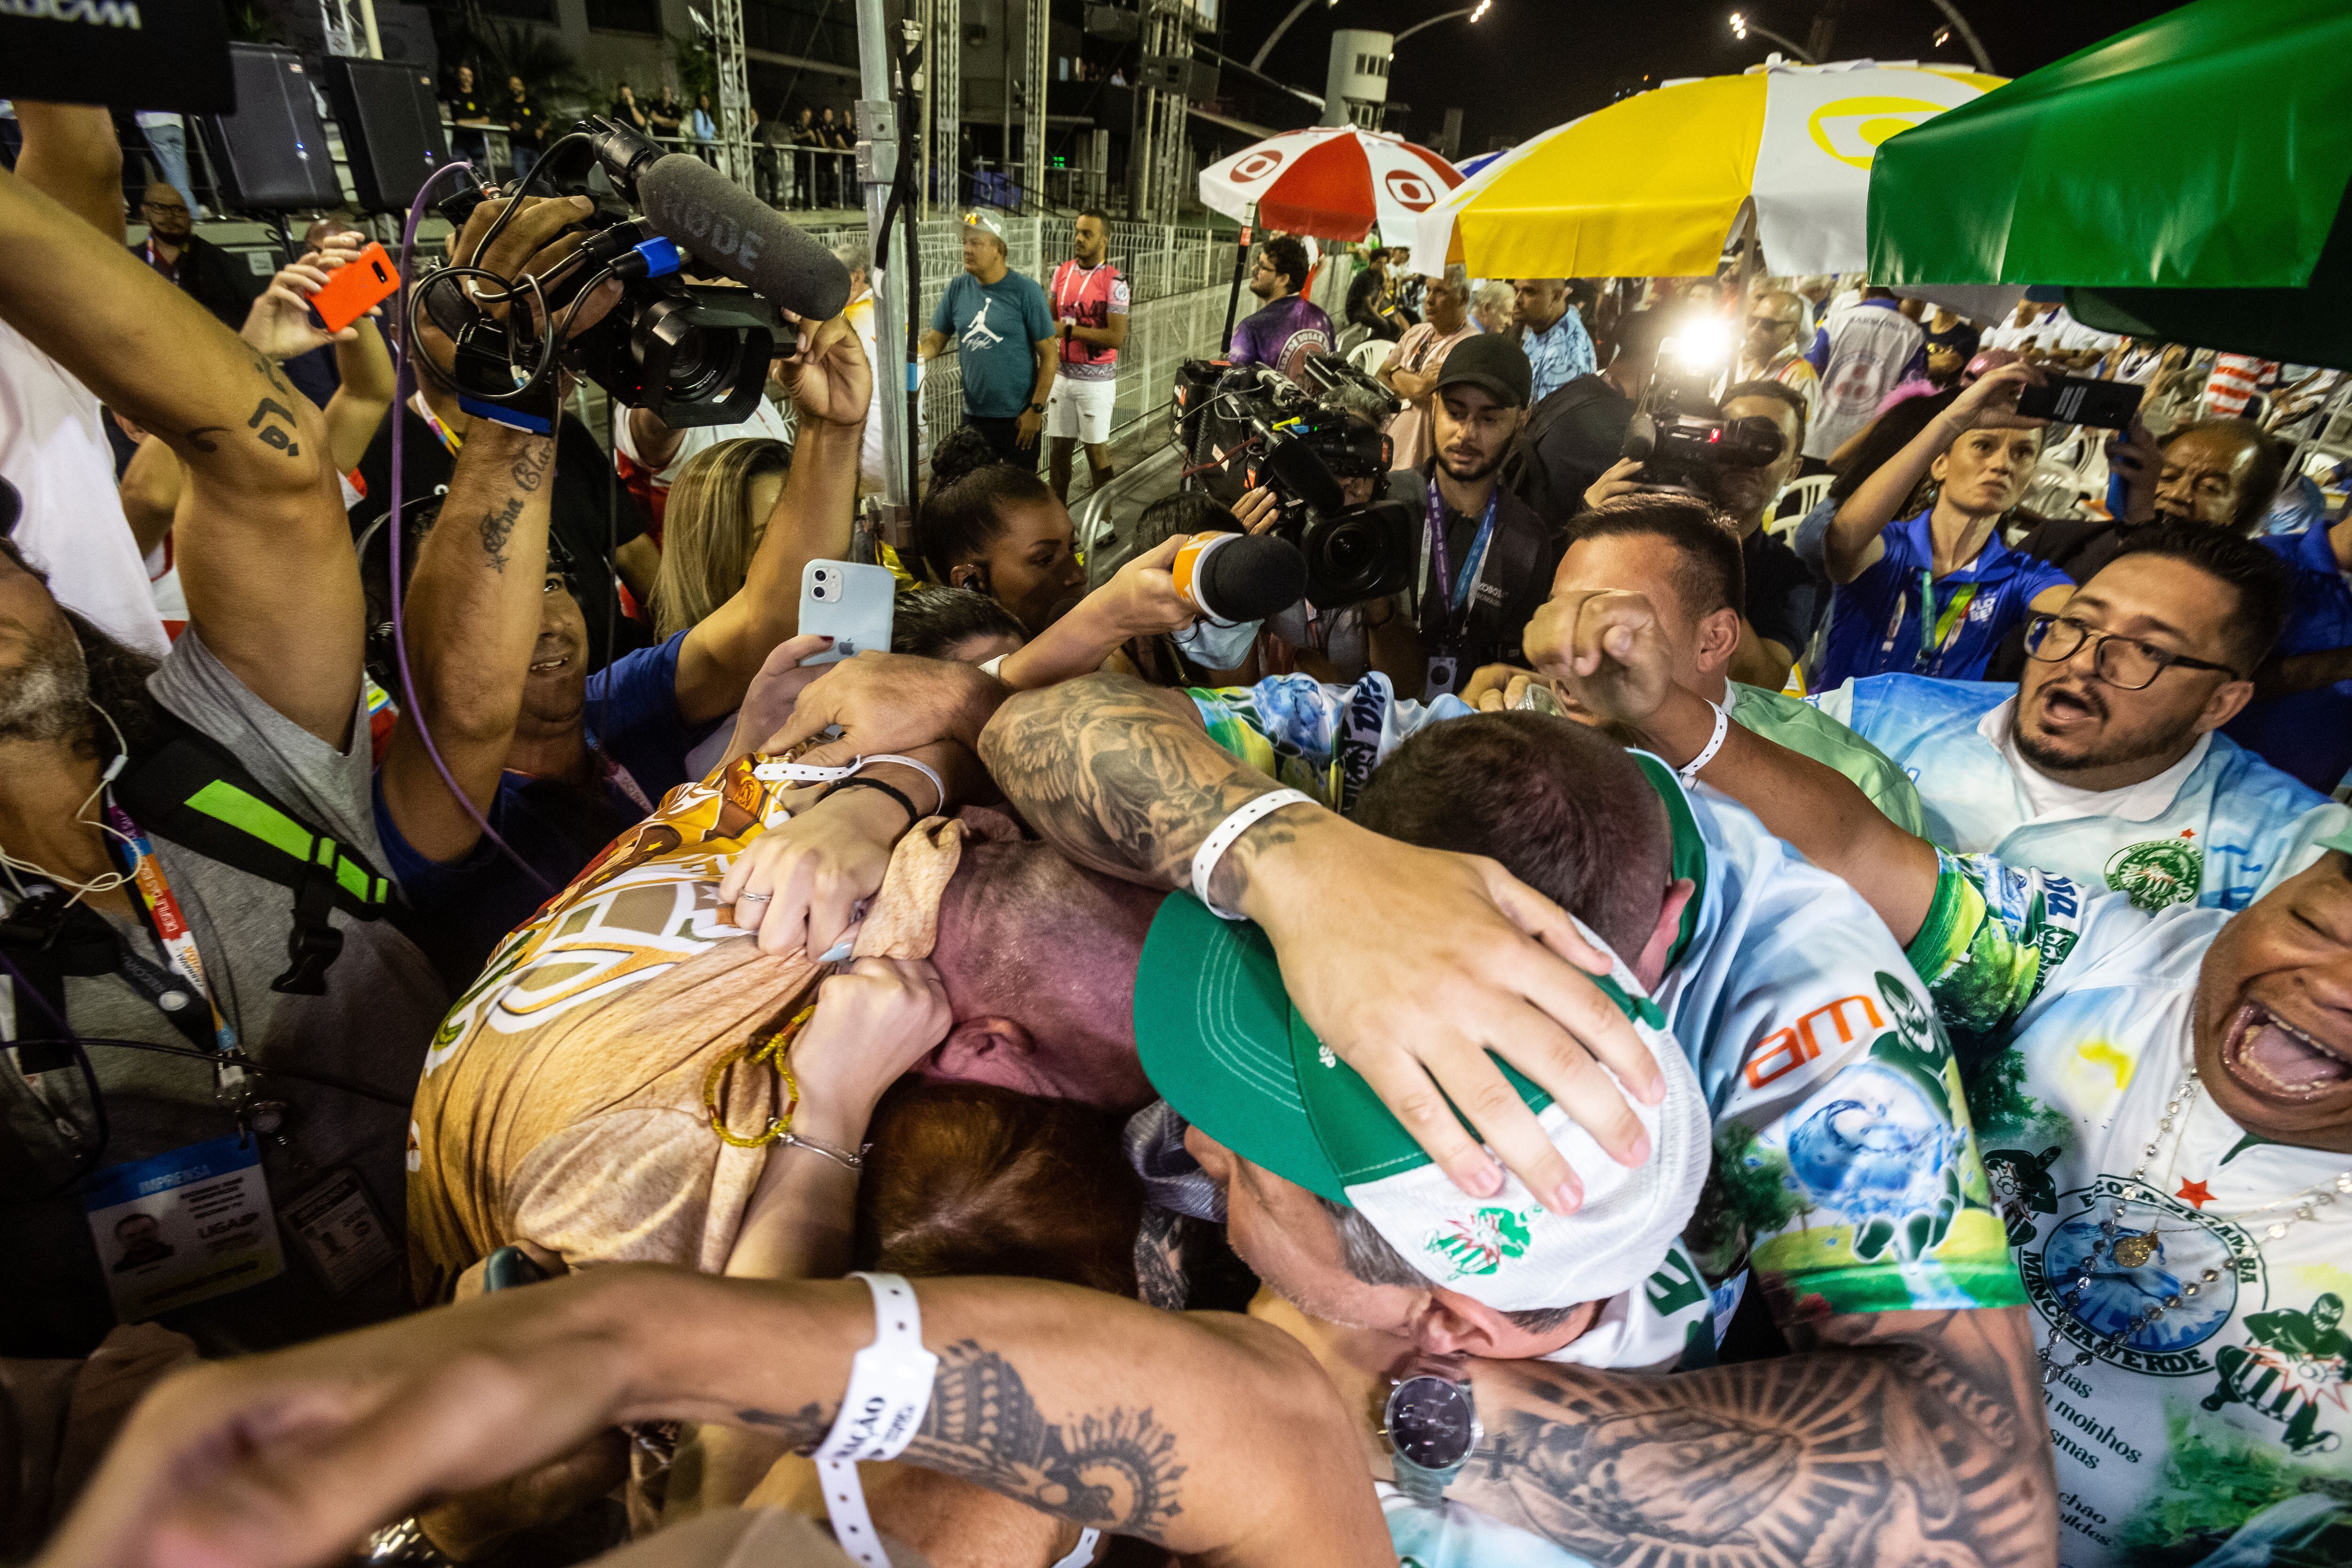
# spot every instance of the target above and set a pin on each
(2216, 1430)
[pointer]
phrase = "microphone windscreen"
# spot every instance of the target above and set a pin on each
(737, 234)
(1251, 577)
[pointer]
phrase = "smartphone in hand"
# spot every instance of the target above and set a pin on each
(2081, 400)
(354, 289)
(850, 603)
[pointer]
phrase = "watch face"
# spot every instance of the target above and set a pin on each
(1431, 1422)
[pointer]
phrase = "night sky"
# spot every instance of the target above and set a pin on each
(1532, 63)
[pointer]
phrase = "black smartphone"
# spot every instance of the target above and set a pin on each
(509, 1267)
(2079, 400)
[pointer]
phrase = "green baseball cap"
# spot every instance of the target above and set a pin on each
(1223, 1045)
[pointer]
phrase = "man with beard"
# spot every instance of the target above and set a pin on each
(1486, 559)
(2165, 1106)
(1289, 326)
(2103, 765)
(132, 913)
(198, 268)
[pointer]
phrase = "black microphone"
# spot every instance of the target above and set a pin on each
(735, 234)
(1240, 576)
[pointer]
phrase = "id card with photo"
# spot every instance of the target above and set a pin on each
(183, 1226)
(341, 1234)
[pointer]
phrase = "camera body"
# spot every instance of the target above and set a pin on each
(1246, 426)
(1682, 439)
(693, 353)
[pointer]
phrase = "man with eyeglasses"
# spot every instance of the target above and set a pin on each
(2103, 763)
(1778, 331)
(202, 270)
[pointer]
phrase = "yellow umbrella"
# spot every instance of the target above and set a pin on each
(1652, 185)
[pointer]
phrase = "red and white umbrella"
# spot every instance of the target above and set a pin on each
(1332, 182)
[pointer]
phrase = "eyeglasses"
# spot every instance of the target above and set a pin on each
(1770, 324)
(168, 209)
(2125, 663)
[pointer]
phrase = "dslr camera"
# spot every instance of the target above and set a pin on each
(1684, 439)
(693, 353)
(1243, 426)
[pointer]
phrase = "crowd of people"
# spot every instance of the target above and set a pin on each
(1775, 1007)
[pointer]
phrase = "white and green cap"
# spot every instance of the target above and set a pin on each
(1223, 1045)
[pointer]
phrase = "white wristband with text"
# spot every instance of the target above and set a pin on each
(805, 773)
(889, 1391)
(1220, 838)
(1688, 772)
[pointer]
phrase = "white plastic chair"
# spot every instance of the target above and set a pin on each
(1788, 509)
(1370, 354)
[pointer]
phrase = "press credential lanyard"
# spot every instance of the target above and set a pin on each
(1937, 632)
(164, 915)
(1451, 594)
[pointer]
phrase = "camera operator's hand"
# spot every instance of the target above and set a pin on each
(1257, 510)
(1618, 480)
(827, 375)
(279, 325)
(891, 702)
(537, 243)
(2134, 456)
(1607, 650)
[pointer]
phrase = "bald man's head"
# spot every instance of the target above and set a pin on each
(1775, 323)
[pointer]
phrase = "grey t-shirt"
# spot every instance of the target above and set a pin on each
(371, 1028)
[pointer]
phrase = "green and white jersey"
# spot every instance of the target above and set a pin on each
(2216, 1431)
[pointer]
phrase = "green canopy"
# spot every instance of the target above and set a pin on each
(2183, 180)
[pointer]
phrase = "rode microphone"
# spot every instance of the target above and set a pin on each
(1233, 577)
(737, 236)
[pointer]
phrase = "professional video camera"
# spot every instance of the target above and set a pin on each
(1680, 433)
(1247, 426)
(694, 353)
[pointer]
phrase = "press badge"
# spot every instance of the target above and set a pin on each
(341, 1233)
(183, 1226)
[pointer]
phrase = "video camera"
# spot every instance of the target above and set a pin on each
(693, 353)
(1243, 426)
(1681, 434)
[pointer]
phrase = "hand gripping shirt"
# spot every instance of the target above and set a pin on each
(2214, 1433)
(1845, 1173)
(2225, 833)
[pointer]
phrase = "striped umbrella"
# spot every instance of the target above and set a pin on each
(1654, 185)
(1332, 182)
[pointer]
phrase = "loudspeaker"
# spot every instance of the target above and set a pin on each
(392, 128)
(271, 155)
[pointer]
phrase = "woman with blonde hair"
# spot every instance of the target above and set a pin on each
(719, 508)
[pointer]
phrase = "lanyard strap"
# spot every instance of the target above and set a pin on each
(450, 441)
(1451, 594)
(169, 922)
(1938, 630)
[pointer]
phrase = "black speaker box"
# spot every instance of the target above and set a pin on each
(392, 128)
(271, 155)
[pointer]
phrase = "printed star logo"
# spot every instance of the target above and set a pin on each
(2193, 1194)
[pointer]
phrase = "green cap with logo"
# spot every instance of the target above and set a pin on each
(1224, 1047)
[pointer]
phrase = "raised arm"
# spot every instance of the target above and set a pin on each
(264, 549)
(1851, 545)
(368, 386)
(831, 384)
(472, 603)
(72, 156)
(1214, 1436)
(1913, 1437)
(278, 326)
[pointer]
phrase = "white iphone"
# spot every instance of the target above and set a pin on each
(849, 603)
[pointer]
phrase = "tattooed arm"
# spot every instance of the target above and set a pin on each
(264, 549)
(1896, 1437)
(1445, 956)
(1214, 1436)
(475, 609)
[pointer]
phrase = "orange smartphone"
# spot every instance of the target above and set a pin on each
(355, 287)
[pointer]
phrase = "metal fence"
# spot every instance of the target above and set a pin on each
(1178, 279)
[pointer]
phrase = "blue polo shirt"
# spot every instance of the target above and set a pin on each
(1876, 627)
(2309, 733)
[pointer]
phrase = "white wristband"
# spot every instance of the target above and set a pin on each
(995, 667)
(889, 1391)
(1220, 838)
(923, 768)
(1688, 772)
(804, 772)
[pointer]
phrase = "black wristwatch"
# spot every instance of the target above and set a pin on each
(1431, 1424)
(1034, 408)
